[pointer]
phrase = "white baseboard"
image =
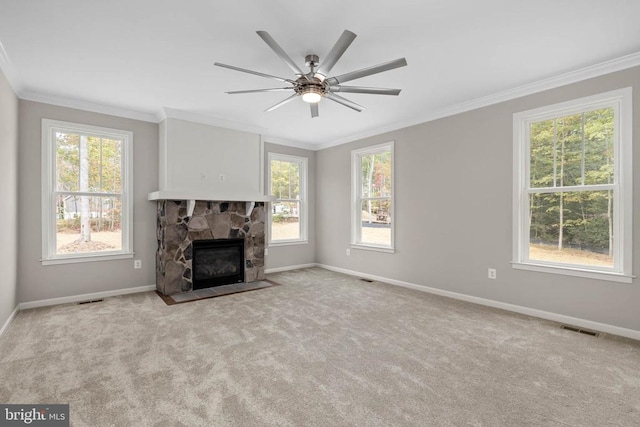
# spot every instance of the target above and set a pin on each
(6, 324)
(85, 297)
(561, 318)
(289, 267)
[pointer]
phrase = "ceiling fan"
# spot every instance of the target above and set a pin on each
(315, 85)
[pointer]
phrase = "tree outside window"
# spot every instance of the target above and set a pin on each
(86, 206)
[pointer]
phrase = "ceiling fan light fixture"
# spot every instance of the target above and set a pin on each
(316, 84)
(311, 95)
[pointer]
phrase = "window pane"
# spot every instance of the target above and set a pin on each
(585, 235)
(376, 222)
(376, 174)
(111, 166)
(598, 130)
(88, 224)
(285, 221)
(569, 150)
(541, 146)
(88, 163)
(67, 161)
(574, 149)
(285, 179)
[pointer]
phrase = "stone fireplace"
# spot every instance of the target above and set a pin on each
(210, 221)
(217, 262)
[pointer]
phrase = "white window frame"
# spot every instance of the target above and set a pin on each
(356, 198)
(49, 256)
(302, 193)
(620, 101)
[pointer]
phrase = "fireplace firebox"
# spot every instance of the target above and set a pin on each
(217, 262)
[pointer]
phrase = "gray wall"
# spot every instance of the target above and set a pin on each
(9, 191)
(453, 211)
(291, 255)
(37, 282)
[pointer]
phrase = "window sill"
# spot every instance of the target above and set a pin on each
(287, 243)
(384, 249)
(85, 258)
(576, 272)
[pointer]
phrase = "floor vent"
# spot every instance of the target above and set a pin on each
(580, 331)
(91, 301)
(367, 280)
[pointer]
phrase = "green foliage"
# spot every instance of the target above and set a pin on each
(285, 180)
(572, 151)
(104, 163)
(88, 164)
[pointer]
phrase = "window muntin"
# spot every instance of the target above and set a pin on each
(572, 209)
(287, 215)
(86, 193)
(372, 204)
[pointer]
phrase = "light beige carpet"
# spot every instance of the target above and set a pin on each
(323, 349)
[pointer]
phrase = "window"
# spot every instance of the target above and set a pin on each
(372, 198)
(572, 188)
(288, 214)
(86, 193)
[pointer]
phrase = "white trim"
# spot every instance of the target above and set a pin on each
(372, 248)
(555, 317)
(596, 70)
(356, 186)
(290, 143)
(303, 163)
(208, 195)
(621, 101)
(9, 71)
(88, 106)
(261, 166)
(168, 113)
(287, 243)
(575, 271)
(289, 268)
(9, 320)
(86, 258)
(48, 180)
(606, 67)
(85, 297)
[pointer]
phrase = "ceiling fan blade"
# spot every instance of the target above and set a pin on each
(367, 71)
(280, 52)
(255, 73)
(281, 103)
(344, 101)
(362, 89)
(314, 109)
(275, 89)
(334, 54)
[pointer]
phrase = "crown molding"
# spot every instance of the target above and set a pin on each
(289, 143)
(168, 113)
(87, 106)
(607, 67)
(600, 69)
(9, 71)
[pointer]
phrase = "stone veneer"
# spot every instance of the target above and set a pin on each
(210, 220)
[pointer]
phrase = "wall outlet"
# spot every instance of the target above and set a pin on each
(203, 176)
(266, 251)
(348, 252)
(137, 263)
(222, 177)
(492, 273)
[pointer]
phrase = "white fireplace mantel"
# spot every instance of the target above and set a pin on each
(192, 196)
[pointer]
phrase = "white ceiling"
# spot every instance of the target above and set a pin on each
(144, 56)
